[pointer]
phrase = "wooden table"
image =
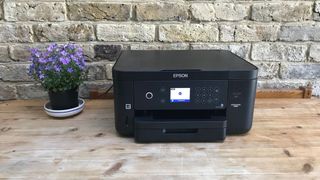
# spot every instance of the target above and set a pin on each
(284, 143)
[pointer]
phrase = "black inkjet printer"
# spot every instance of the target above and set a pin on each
(183, 95)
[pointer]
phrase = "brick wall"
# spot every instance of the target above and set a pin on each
(281, 37)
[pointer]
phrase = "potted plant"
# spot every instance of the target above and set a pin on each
(60, 69)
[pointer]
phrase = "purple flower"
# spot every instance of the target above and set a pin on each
(50, 66)
(49, 59)
(74, 58)
(57, 68)
(31, 69)
(52, 47)
(41, 76)
(81, 67)
(79, 53)
(70, 70)
(42, 60)
(64, 53)
(35, 52)
(64, 60)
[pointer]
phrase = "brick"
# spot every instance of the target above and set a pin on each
(35, 11)
(109, 52)
(316, 14)
(1, 9)
(188, 33)
(296, 53)
(31, 91)
(267, 52)
(231, 11)
(267, 70)
(7, 92)
(282, 11)
(315, 53)
(256, 32)
(203, 12)
(317, 7)
(99, 11)
(279, 52)
(96, 71)
(161, 12)
(241, 50)
(21, 52)
(88, 51)
(300, 32)
(299, 71)
(4, 54)
(49, 32)
(171, 46)
(86, 87)
(126, 32)
(15, 33)
(227, 32)
(109, 71)
(14, 72)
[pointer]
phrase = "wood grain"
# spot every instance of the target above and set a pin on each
(284, 143)
(303, 92)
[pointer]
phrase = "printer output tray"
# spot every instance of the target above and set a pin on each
(148, 129)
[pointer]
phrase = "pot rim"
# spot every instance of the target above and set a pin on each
(81, 104)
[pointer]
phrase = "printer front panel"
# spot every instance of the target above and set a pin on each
(123, 105)
(180, 111)
(173, 95)
(241, 98)
(237, 97)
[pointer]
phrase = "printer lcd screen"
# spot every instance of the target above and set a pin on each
(179, 95)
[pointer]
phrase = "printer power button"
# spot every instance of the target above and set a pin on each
(149, 95)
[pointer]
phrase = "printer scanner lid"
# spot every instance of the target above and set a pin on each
(214, 61)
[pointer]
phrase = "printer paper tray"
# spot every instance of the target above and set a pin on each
(195, 130)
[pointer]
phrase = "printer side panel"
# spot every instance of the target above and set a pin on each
(123, 105)
(241, 98)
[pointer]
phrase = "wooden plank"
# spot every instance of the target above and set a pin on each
(284, 143)
(302, 92)
(286, 93)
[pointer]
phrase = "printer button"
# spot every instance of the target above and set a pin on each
(149, 95)
(128, 106)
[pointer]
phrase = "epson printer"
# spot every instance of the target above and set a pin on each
(183, 96)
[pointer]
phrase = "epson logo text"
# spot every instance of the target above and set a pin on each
(180, 76)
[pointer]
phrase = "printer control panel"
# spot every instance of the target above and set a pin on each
(194, 94)
(208, 95)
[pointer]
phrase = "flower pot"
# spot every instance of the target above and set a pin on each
(64, 99)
